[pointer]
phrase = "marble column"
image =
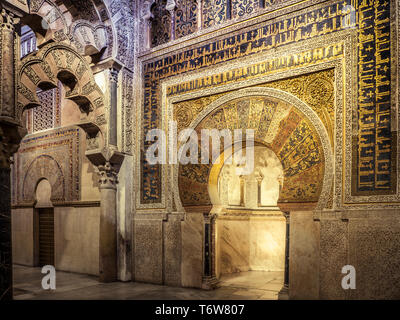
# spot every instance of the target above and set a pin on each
(108, 223)
(108, 161)
(5, 235)
(209, 280)
(113, 127)
(284, 293)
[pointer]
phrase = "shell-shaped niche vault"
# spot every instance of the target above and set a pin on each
(279, 126)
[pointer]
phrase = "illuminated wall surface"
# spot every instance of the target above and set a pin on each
(317, 81)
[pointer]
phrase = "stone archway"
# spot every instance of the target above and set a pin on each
(57, 61)
(60, 62)
(52, 62)
(285, 124)
(279, 120)
(44, 167)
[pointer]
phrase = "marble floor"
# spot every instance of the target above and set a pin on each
(252, 285)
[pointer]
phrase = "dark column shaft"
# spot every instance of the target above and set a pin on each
(207, 250)
(5, 236)
(108, 264)
(284, 292)
(113, 107)
(286, 277)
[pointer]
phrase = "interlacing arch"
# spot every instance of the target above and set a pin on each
(59, 62)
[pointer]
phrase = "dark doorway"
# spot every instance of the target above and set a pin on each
(46, 236)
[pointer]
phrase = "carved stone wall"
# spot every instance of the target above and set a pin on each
(340, 59)
(123, 17)
(175, 19)
(186, 18)
(48, 114)
(367, 240)
(54, 155)
(296, 29)
(161, 25)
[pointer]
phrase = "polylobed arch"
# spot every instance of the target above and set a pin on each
(86, 25)
(94, 40)
(58, 61)
(48, 11)
(290, 119)
(95, 10)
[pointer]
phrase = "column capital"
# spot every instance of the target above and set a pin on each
(209, 217)
(107, 162)
(109, 64)
(8, 20)
(114, 74)
(16, 7)
(286, 214)
(108, 176)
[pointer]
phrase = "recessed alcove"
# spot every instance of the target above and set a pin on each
(250, 228)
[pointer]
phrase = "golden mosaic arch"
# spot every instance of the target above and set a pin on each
(282, 122)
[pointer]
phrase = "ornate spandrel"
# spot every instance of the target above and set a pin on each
(160, 31)
(185, 17)
(214, 12)
(241, 8)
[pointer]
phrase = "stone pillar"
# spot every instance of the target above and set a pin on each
(5, 234)
(108, 161)
(209, 280)
(10, 137)
(113, 127)
(284, 293)
(108, 223)
(8, 65)
(11, 133)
